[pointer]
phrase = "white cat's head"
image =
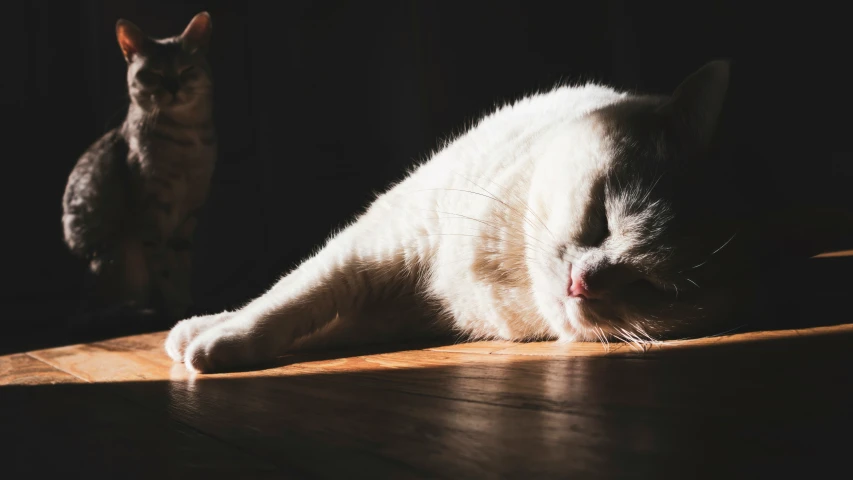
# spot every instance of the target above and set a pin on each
(627, 225)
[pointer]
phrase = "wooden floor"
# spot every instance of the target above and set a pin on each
(765, 404)
(751, 405)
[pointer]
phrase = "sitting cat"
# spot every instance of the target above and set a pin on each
(131, 203)
(581, 213)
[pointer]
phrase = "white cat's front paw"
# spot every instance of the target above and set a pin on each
(185, 331)
(223, 347)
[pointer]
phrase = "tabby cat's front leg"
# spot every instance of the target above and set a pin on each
(352, 269)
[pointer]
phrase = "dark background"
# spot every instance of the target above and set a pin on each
(320, 104)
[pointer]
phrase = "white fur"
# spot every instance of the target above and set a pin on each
(533, 156)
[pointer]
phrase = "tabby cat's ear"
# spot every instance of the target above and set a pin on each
(130, 38)
(696, 104)
(197, 34)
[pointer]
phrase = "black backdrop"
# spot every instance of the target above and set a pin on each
(320, 104)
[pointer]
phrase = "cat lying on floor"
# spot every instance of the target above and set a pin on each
(581, 213)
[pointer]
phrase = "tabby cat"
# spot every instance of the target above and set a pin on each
(131, 203)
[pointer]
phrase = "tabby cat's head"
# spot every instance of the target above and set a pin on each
(170, 73)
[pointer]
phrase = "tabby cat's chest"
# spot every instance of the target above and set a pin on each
(177, 146)
(176, 162)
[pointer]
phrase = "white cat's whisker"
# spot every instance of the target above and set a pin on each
(489, 196)
(604, 339)
(712, 254)
(520, 200)
(480, 235)
(513, 231)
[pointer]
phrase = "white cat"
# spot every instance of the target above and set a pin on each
(567, 215)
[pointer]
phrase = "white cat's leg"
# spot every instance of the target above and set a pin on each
(354, 267)
(186, 330)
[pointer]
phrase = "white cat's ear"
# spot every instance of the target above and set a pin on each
(130, 38)
(197, 34)
(696, 104)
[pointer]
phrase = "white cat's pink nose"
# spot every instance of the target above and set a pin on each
(578, 290)
(601, 280)
(578, 286)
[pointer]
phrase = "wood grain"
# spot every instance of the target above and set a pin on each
(56, 424)
(765, 402)
(748, 405)
(843, 253)
(22, 369)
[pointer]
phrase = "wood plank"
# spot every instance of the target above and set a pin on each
(55, 424)
(747, 339)
(485, 347)
(459, 415)
(771, 404)
(22, 369)
(129, 359)
(142, 358)
(138, 358)
(843, 253)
